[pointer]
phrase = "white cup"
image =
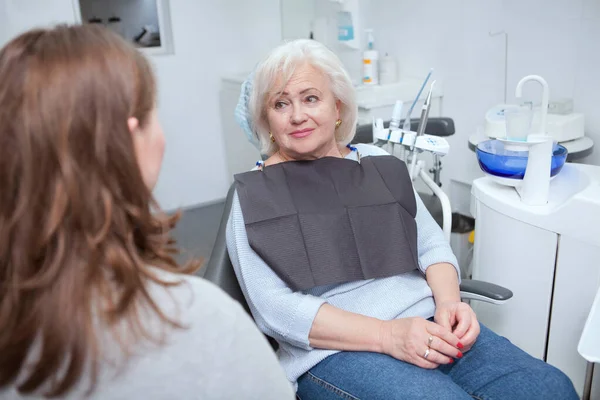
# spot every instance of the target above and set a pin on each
(518, 123)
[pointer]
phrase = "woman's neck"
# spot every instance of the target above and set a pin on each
(333, 150)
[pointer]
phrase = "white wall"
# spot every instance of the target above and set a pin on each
(17, 16)
(557, 39)
(299, 16)
(210, 38)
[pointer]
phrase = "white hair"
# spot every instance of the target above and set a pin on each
(279, 66)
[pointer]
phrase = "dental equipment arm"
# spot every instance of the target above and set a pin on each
(444, 200)
(425, 112)
(406, 125)
(421, 129)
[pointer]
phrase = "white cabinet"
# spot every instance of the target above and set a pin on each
(529, 274)
(577, 278)
(548, 256)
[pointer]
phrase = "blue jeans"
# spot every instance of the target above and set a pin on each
(493, 369)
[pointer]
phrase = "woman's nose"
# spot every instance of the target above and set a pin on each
(298, 116)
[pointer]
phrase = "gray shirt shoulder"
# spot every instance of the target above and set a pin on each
(218, 354)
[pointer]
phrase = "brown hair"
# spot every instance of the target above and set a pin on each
(80, 233)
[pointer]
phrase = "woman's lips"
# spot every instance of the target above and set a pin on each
(302, 133)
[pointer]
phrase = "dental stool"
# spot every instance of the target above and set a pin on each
(442, 127)
(219, 271)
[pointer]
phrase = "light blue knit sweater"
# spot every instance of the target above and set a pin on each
(288, 316)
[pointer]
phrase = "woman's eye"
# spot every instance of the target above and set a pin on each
(312, 99)
(279, 105)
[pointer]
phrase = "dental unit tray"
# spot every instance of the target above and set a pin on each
(434, 144)
(436, 126)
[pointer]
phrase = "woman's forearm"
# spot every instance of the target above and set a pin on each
(443, 281)
(336, 329)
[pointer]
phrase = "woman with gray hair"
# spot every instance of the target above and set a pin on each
(341, 262)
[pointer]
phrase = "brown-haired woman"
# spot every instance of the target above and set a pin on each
(91, 300)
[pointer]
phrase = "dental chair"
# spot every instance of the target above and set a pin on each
(219, 271)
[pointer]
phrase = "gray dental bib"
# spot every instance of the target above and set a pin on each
(331, 220)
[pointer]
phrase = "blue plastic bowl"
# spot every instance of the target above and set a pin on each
(496, 160)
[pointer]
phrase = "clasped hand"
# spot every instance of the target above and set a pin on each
(429, 344)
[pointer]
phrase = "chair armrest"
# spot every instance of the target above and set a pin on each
(484, 291)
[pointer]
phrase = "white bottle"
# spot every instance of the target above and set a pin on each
(370, 61)
(388, 70)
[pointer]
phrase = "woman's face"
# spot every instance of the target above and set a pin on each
(149, 142)
(302, 118)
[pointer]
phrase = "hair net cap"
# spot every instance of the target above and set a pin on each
(242, 112)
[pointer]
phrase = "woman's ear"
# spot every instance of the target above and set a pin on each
(338, 106)
(133, 124)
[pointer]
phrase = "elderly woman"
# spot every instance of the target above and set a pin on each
(343, 265)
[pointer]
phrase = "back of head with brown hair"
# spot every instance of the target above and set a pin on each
(79, 231)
